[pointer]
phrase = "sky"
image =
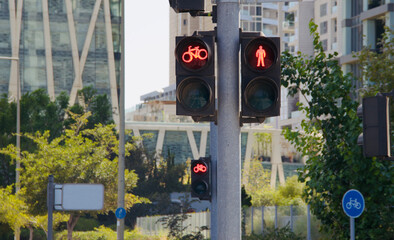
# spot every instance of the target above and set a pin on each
(146, 48)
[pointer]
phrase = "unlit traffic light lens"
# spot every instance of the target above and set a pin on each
(194, 94)
(200, 187)
(261, 94)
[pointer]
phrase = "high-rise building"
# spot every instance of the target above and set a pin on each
(62, 45)
(362, 25)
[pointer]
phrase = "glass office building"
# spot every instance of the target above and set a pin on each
(62, 45)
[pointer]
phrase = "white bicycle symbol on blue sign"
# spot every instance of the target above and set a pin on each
(353, 203)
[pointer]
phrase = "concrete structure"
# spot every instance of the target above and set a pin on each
(191, 141)
(61, 45)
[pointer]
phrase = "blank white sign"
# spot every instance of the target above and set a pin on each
(79, 196)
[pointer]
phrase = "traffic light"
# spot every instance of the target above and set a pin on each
(195, 76)
(201, 178)
(375, 138)
(260, 70)
(187, 5)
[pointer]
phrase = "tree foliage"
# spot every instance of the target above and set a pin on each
(77, 156)
(39, 113)
(257, 184)
(158, 177)
(328, 137)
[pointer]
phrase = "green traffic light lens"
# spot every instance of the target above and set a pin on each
(261, 94)
(195, 94)
(200, 187)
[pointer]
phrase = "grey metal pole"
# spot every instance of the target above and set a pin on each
(352, 231)
(50, 203)
(308, 210)
(121, 162)
(291, 218)
(276, 216)
(229, 164)
(214, 205)
(251, 217)
(262, 220)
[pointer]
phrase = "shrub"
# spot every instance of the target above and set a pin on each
(103, 233)
(276, 234)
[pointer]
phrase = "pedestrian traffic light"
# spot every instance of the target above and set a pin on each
(195, 80)
(375, 138)
(260, 70)
(201, 178)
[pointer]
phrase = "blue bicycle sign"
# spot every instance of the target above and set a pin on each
(353, 203)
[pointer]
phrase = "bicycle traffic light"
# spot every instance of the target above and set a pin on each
(260, 70)
(201, 178)
(195, 80)
(375, 138)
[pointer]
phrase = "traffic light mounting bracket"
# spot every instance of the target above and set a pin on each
(389, 94)
(194, 7)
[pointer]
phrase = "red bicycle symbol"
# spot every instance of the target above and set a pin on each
(194, 53)
(200, 168)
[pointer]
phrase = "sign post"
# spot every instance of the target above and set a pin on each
(353, 205)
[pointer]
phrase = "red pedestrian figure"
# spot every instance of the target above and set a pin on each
(260, 54)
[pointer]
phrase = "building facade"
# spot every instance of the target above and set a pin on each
(62, 45)
(362, 25)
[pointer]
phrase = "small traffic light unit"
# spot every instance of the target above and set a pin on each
(375, 138)
(195, 76)
(260, 84)
(201, 178)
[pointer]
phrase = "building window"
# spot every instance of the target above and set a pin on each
(258, 11)
(357, 7)
(379, 31)
(258, 26)
(356, 38)
(375, 3)
(252, 11)
(334, 25)
(324, 43)
(323, 27)
(323, 10)
(184, 22)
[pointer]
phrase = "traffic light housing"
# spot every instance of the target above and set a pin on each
(260, 73)
(375, 138)
(195, 76)
(201, 178)
(187, 5)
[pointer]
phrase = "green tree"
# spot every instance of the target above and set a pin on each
(98, 104)
(158, 177)
(257, 184)
(77, 156)
(328, 137)
(38, 113)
